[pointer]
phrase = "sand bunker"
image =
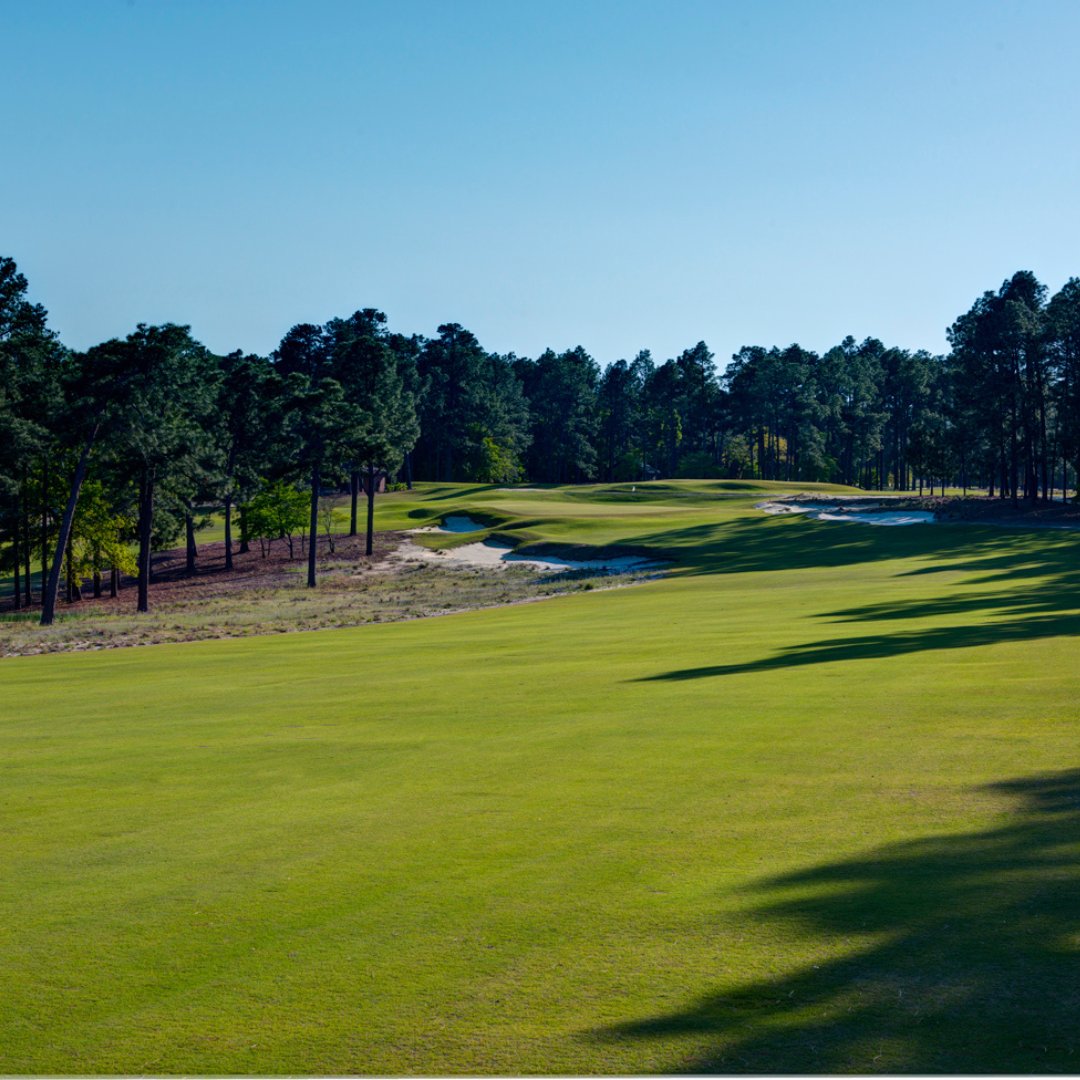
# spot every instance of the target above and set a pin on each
(862, 513)
(492, 553)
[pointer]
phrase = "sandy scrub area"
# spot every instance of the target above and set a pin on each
(268, 595)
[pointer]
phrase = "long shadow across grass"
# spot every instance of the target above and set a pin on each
(1017, 586)
(755, 544)
(972, 963)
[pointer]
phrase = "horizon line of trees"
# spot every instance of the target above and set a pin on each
(106, 455)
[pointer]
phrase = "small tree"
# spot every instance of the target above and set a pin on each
(496, 464)
(98, 531)
(278, 511)
(326, 517)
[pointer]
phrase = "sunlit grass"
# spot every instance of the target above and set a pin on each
(809, 803)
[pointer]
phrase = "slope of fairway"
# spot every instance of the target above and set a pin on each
(811, 803)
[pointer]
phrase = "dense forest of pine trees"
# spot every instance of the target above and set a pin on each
(109, 454)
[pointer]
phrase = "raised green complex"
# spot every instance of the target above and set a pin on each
(809, 803)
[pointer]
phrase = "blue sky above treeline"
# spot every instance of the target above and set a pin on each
(619, 175)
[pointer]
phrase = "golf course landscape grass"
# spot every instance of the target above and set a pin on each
(808, 802)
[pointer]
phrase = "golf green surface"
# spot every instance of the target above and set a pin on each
(810, 802)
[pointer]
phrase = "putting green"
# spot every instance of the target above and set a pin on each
(809, 803)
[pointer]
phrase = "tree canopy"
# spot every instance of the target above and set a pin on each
(122, 448)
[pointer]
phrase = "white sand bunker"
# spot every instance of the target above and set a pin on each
(872, 514)
(492, 553)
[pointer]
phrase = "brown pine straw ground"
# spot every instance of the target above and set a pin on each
(270, 596)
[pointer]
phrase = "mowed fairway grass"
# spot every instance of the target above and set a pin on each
(811, 802)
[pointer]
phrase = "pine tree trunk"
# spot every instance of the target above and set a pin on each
(17, 591)
(114, 582)
(192, 550)
(228, 531)
(44, 524)
(146, 522)
(48, 599)
(28, 584)
(369, 546)
(314, 527)
(1014, 455)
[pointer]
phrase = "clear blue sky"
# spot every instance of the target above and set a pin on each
(617, 175)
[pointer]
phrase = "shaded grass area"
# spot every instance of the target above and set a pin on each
(967, 959)
(524, 840)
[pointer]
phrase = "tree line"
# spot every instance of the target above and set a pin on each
(109, 454)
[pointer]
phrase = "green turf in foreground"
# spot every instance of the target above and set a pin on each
(811, 803)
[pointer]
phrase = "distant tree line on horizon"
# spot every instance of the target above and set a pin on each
(110, 454)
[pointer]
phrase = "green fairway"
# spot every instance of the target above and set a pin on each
(809, 803)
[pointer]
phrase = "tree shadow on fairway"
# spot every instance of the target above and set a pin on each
(883, 646)
(750, 545)
(971, 962)
(1017, 587)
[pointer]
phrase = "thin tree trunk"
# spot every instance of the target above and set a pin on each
(28, 584)
(44, 524)
(114, 582)
(408, 470)
(228, 531)
(17, 591)
(314, 527)
(1014, 452)
(369, 546)
(48, 598)
(146, 522)
(244, 547)
(230, 469)
(192, 550)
